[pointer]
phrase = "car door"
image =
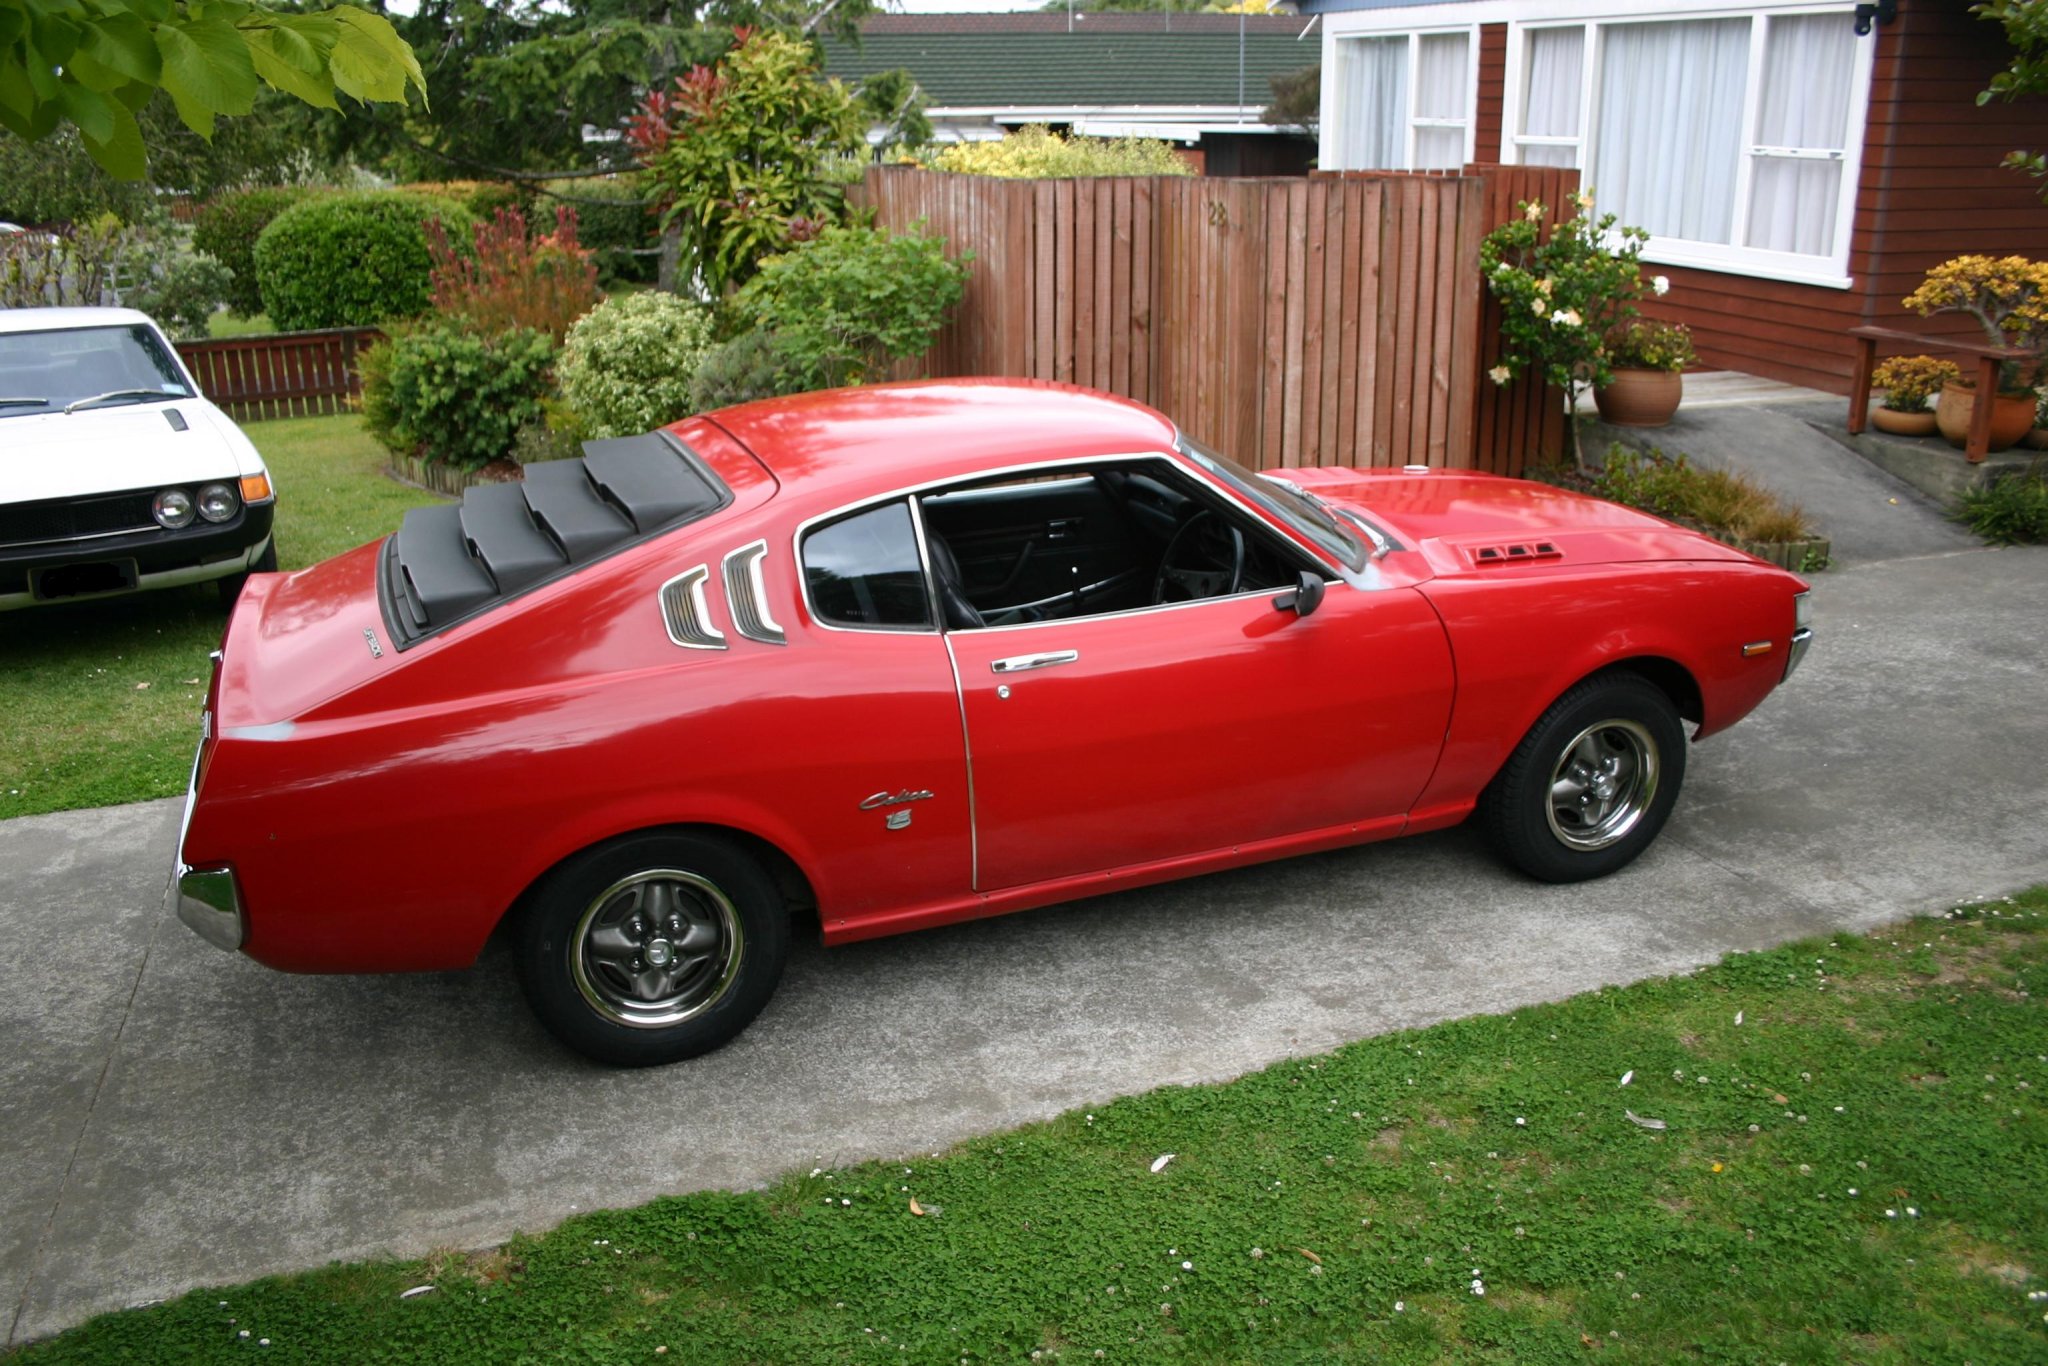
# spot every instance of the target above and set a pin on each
(1105, 741)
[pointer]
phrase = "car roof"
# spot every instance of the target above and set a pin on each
(54, 319)
(885, 436)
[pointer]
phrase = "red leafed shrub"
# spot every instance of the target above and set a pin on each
(515, 279)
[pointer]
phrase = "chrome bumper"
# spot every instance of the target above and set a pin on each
(1801, 638)
(206, 899)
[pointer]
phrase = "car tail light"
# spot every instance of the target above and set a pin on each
(217, 502)
(255, 487)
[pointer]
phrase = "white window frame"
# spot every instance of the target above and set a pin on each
(1830, 269)
(1339, 159)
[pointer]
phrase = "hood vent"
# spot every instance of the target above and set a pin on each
(1514, 552)
(686, 613)
(175, 418)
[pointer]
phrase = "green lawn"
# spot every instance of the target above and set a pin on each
(103, 698)
(1837, 1154)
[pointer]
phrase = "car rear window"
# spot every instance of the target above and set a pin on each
(451, 562)
(864, 570)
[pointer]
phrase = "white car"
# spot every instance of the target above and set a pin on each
(116, 475)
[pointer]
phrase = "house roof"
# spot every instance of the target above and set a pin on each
(1032, 60)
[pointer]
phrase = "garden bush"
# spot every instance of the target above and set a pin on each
(2012, 511)
(482, 198)
(350, 260)
(227, 229)
(748, 367)
(181, 291)
(843, 306)
(1675, 489)
(1036, 152)
(446, 394)
(512, 278)
(614, 219)
(627, 364)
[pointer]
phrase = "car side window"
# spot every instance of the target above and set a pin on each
(864, 570)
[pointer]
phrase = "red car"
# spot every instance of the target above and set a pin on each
(914, 654)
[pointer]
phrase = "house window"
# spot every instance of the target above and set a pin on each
(1729, 139)
(1405, 102)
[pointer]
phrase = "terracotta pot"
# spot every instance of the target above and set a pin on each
(2011, 417)
(2038, 438)
(1902, 424)
(1640, 398)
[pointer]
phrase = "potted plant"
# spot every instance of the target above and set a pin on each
(1908, 382)
(1563, 294)
(2038, 438)
(2008, 296)
(1645, 359)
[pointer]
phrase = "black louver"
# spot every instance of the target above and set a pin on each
(447, 563)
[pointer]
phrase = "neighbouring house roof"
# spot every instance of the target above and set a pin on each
(1033, 61)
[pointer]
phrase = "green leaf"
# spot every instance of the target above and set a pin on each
(370, 61)
(121, 42)
(268, 51)
(207, 70)
(89, 109)
(120, 155)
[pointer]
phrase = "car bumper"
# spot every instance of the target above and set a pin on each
(207, 899)
(109, 566)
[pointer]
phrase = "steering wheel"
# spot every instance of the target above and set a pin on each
(1205, 559)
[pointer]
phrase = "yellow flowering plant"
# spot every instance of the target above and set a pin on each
(2007, 295)
(1909, 381)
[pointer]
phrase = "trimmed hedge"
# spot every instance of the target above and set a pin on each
(352, 260)
(483, 198)
(227, 229)
(627, 364)
(448, 396)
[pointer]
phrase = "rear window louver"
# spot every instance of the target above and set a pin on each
(449, 562)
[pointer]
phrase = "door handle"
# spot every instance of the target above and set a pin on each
(1019, 663)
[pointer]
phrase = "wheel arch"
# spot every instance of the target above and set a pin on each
(1670, 677)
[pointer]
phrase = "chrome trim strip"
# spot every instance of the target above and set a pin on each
(686, 613)
(1019, 663)
(88, 536)
(746, 594)
(967, 749)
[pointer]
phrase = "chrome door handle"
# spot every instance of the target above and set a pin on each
(1019, 663)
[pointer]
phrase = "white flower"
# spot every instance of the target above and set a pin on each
(1533, 210)
(1478, 1288)
(1520, 1122)
(1661, 284)
(1498, 374)
(1400, 1306)
(1539, 306)
(1566, 317)
(1187, 1266)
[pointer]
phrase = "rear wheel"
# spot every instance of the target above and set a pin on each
(1592, 782)
(651, 949)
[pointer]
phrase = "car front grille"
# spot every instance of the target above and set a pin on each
(69, 518)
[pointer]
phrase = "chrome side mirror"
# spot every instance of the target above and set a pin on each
(1304, 597)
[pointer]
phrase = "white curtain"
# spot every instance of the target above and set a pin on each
(1671, 125)
(1375, 122)
(1552, 82)
(1442, 69)
(1808, 63)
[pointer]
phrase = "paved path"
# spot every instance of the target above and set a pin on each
(175, 1116)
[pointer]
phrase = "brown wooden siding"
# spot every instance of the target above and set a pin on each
(1492, 93)
(1332, 321)
(284, 374)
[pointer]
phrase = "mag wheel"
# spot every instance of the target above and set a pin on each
(651, 949)
(1592, 782)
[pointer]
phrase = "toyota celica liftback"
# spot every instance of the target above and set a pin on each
(915, 654)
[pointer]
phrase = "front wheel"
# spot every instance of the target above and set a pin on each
(1592, 782)
(651, 949)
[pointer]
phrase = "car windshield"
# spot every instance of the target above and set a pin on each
(45, 372)
(1285, 502)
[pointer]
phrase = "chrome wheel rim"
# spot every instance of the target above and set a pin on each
(1603, 785)
(656, 949)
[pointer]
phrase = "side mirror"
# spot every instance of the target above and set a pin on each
(1304, 597)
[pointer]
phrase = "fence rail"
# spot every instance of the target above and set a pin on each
(1337, 320)
(284, 374)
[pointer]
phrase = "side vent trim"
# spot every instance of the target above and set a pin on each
(687, 614)
(746, 591)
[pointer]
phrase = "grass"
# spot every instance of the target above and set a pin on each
(103, 698)
(1720, 502)
(223, 325)
(1848, 1168)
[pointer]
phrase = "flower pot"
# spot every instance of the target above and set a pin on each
(1640, 398)
(2011, 417)
(1902, 424)
(2038, 438)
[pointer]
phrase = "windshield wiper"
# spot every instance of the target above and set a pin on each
(112, 394)
(23, 402)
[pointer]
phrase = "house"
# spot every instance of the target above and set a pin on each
(1799, 165)
(1199, 80)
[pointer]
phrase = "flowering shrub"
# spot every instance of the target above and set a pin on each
(2007, 295)
(1036, 152)
(627, 364)
(1909, 381)
(542, 281)
(1640, 344)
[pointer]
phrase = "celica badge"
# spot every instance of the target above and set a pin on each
(882, 799)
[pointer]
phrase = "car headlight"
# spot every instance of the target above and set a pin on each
(217, 502)
(172, 509)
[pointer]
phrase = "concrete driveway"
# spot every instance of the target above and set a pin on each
(175, 1116)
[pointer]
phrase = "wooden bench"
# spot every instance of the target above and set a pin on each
(1987, 357)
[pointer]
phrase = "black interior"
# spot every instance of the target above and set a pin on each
(1087, 542)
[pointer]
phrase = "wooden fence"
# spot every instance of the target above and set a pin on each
(1337, 320)
(284, 374)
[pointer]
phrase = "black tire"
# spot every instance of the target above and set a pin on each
(231, 586)
(651, 949)
(1592, 782)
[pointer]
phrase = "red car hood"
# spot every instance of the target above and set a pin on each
(1480, 521)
